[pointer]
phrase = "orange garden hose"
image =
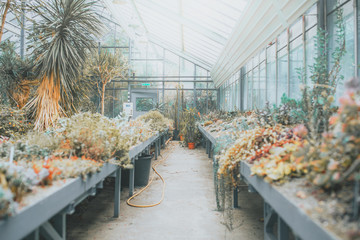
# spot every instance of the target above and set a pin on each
(151, 180)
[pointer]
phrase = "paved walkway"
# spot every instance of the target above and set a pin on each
(188, 211)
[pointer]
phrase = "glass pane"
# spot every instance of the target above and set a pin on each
(171, 64)
(296, 29)
(311, 17)
(154, 68)
(271, 74)
(244, 89)
(282, 40)
(249, 90)
(139, 68)
(262, 85)
(310, 53)
(255, 95)
(282, 74)
(296, 67)
(348, 61)
(186, 68)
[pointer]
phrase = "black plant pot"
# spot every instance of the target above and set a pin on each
(142, 172)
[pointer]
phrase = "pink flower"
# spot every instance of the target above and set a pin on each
(300, 131)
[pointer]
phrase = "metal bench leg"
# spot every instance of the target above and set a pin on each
(159, 146)
(210, 149)
(117, 193)
(55, 228)
(235, 198)
(156, 150)
(132, 180)
(35, 235)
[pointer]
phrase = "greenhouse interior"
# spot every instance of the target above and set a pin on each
(180, 119)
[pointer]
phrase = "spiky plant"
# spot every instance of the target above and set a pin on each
(62, 41)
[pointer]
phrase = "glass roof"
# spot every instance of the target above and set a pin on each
(198, 29)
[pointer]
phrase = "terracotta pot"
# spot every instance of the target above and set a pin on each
(191, 145)
(181, 138)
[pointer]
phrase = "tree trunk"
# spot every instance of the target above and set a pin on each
(4, 18)
(103, 98)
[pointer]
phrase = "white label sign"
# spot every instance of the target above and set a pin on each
(128, 109)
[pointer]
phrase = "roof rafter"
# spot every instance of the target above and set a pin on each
(187, 56)
(186, 22)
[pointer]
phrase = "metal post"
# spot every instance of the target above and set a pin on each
(99, 81)
(288, 61)
(159, 145)
(276, 71)
(356, 38)
(129, 71)
(22, 31)
(132, 179)
(117, 193)
(163, 83)
(210, 149)
(235, 198)
(195, 97)
(242, 92)
(156, 149)
(35, 235)
(304, 47)
(59, 224)
(207, 146)
(283, 229)
(113, 99)
(207, 95)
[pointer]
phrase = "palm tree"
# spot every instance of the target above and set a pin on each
(63, 39)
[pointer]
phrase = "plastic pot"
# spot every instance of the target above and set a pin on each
(142, 172)
(191, 145)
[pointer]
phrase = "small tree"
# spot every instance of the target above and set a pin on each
(106, 66)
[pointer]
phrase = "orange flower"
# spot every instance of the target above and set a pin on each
(333, 120)
(36, 169)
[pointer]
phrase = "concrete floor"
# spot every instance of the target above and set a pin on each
(188, 211)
